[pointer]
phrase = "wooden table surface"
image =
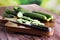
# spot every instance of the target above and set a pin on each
(4, 35)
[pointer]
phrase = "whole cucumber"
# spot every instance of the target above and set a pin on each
(35, 16)
(49, 17)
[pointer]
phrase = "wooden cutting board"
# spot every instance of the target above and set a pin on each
(27, 30)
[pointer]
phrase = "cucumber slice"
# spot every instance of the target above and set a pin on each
(20, 20)
(26, 18)
(23, 21)
(27, 22)
(20, 14)
(36, 22)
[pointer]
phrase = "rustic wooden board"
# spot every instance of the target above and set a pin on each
(56, 36)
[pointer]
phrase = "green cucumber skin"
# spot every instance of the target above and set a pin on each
(47, 15)
(8, 11)
(35, 16)
(8, 15)
(17, 9)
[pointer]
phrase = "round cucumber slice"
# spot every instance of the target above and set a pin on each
(20, 20)
(20, 14)
(27, 22)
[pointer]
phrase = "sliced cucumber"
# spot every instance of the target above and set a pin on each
(28, 22)
(20, 20)
(36, 22)
(23, 21)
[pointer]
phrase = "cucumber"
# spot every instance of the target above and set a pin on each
(8, 15)
(8, 11)
(49, 17)
(35, 16)
(17, 9)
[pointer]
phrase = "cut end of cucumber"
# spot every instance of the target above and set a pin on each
(45, 17)
(50, 18)
(20, 14)
(27, 22)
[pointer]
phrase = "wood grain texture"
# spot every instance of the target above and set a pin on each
(3, 34)
(15, 36)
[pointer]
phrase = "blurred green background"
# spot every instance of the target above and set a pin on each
(52, 5)
(16, 2)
